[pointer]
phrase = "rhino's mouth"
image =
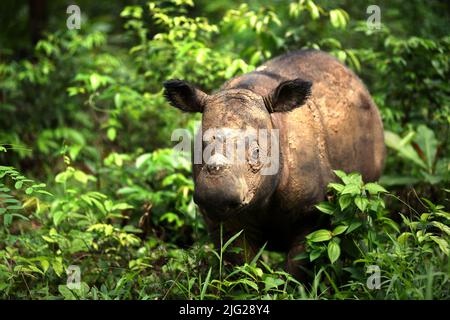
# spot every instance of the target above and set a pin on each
(233, 211)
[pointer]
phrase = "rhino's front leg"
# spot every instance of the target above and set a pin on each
(296, 266)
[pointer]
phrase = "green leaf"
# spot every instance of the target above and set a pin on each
(45, 265)
(111, 134)
(361, 203)
(15, 207)
(443, 244)
(393, 141)
(325, 207)
(397, 180)
(334, 251)
(205, 285)
(427, 142)
(143, 159)
(335, 22)
(58, 217)
(7, 219)
(441, 227)
(338, 18)
(313, 9)
(320, 235)
(345, 201)
(351, 189)
(374, 188)
(118, 100)
(249, 283)
(121, 206)
(49, 239)
(66, 292)
(80, 176)
(44, 192)
(353, 226)
(94, 81)
(256, 257)
(341, 174)
(336, 186)
(404, 237)
(231, 240)
(18, 184)
(391, 223)
(272, 282)
(339, 229)
(314, 255)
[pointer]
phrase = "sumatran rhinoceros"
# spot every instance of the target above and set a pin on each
(326, 120)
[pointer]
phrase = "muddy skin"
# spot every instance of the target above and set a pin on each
(327, 120)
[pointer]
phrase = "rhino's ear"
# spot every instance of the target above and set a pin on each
(184, 96)
(288, 95)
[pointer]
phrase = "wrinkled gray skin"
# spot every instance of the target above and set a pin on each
(327, 120)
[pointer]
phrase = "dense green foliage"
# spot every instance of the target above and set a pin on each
(88, 176)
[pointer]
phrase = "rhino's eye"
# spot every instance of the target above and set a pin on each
(254, 154)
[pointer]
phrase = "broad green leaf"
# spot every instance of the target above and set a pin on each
(351, 189)
(142, 159)
(272, 282)
(396, 180)
(111, 133)
(7, 219)
(320, 235)
(94, 81)
(341, 174)
(361, 203)
(249, 283)
(427, 142)
(334, 19)
(118, 100)
(353, 226)
(313, 9)
(442, 243)
(80, 176)
(325, 207)
(404, 237)
(58, 217)
(334, 251)
(336, 186)
(339, 229)
(391, 223)
(374, 188)
(441, 226)
(314, 255)
(393, 141)
(345, 201)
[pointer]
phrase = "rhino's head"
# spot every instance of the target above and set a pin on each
(227, 181)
